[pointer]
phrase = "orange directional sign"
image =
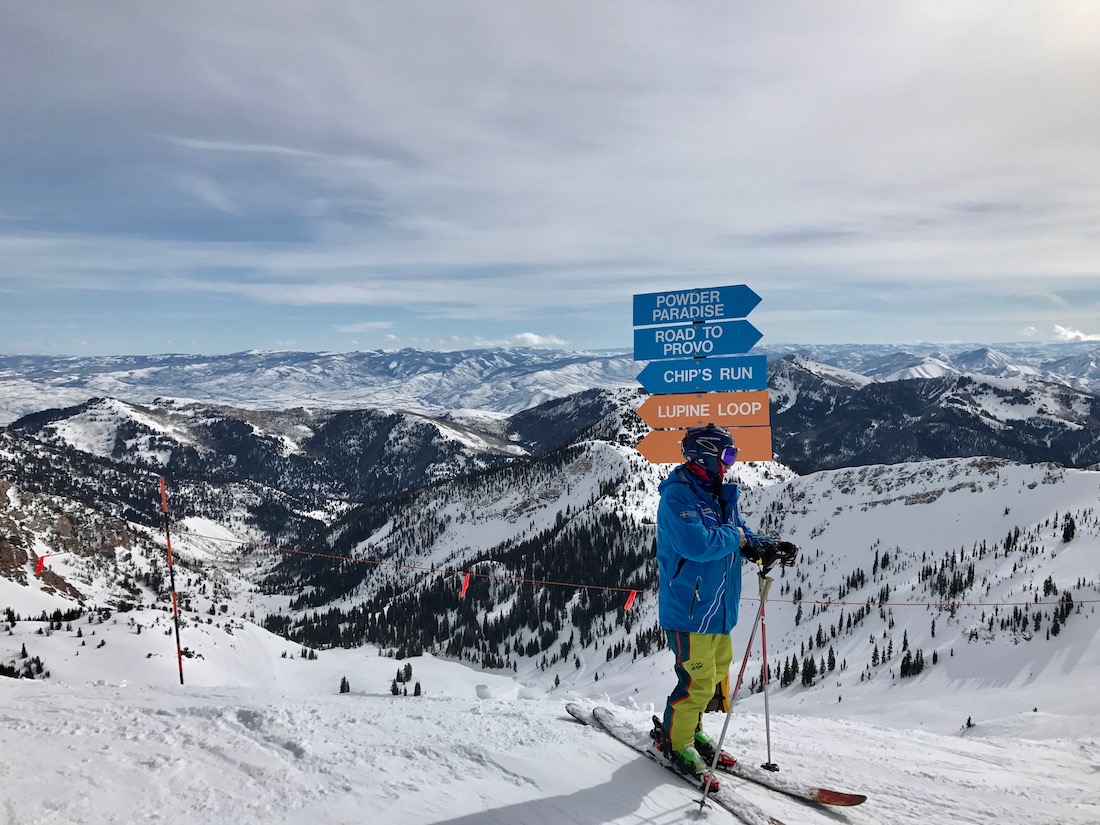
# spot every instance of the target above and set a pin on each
(663, 446)
(727, 409)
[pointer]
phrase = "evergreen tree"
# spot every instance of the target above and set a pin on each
(809, 671)
(1069, 529)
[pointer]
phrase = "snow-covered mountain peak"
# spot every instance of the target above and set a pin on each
(989, 361)
(796, 377)
(925, 368)
(826, 372)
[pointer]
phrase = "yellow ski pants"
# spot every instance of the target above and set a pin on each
(702, 661)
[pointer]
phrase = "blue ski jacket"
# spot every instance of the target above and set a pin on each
(698, 554)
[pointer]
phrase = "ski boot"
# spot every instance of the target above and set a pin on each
(686, 761)
(706, 746)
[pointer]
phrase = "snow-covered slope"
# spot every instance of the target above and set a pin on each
(963, 560)
(271, 740)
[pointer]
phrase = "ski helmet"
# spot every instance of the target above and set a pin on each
(707, 446)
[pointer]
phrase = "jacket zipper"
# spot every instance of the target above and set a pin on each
(694, 598)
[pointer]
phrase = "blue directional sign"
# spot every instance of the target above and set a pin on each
(694, 340)
(748, 372)
(681, 306)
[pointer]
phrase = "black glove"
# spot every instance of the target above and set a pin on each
(782, 552)
(768, 552)
(757, 547)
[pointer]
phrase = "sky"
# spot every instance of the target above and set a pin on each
(206, 177)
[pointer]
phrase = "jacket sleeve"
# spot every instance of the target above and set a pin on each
(689, 536)
(739, 520)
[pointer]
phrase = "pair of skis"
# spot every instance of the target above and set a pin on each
(604, 719)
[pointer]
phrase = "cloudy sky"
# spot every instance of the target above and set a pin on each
(213, 177)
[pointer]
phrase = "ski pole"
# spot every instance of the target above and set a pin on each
(765, 586)
(769, 765)
(171, 574)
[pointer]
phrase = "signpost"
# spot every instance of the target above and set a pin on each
(663, 446)
(694, 340)
(685, 334)
(721, 303)
(726, 409)
(749, 372)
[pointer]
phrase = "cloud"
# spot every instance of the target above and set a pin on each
(1068, 334)
(209, 192)
(236, 146)
(533, 339)
(364, 326)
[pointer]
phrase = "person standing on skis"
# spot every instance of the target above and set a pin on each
(701, 541)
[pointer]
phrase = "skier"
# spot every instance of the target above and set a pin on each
(701, 540)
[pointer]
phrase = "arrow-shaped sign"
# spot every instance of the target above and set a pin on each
(694, 340)
(738, 409)
(749, 372)
(716, 303)
(663, 446)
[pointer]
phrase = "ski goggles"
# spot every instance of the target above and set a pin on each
(729, 455)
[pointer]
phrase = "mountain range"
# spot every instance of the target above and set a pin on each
(488, 380)
(824, 418)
